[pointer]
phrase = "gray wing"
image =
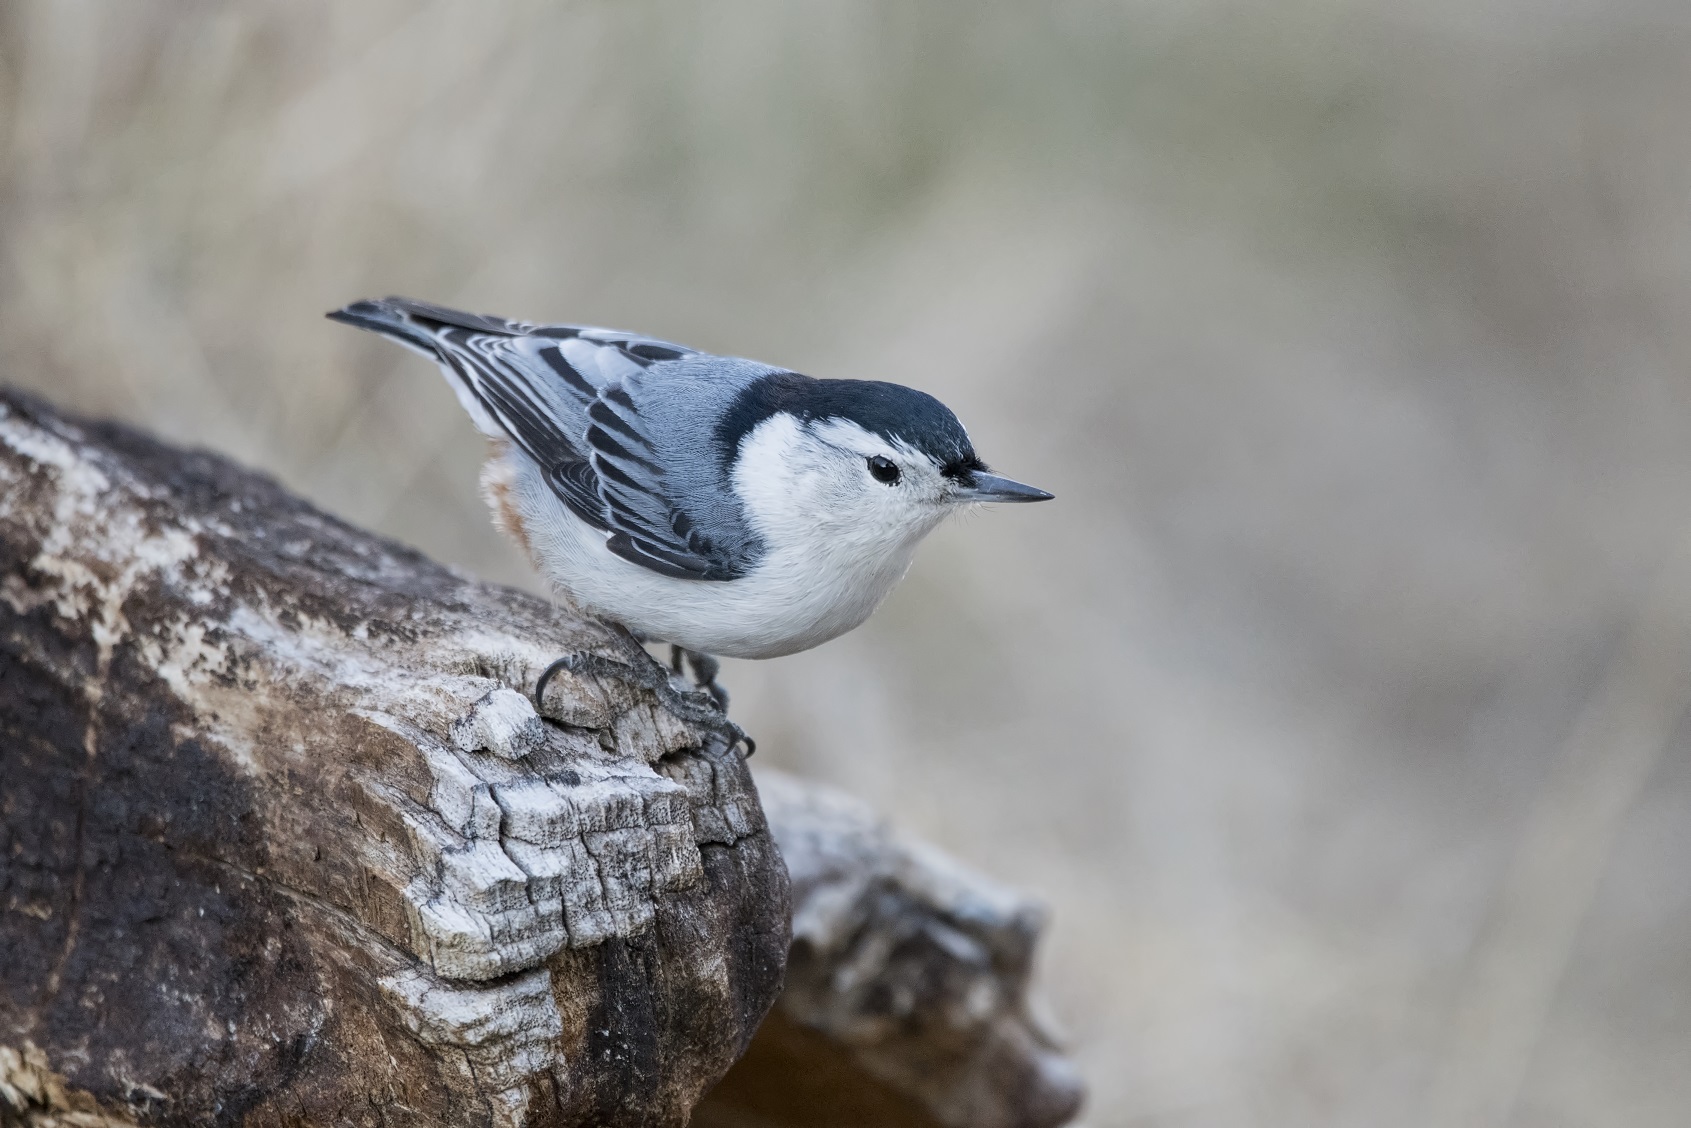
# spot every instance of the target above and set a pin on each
(567, 396)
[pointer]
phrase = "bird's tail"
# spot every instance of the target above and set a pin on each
(413, 323)
(421, 327)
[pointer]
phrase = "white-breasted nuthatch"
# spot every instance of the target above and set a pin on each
(717, 504)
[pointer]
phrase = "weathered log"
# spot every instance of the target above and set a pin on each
(283, 842)
(907, 999)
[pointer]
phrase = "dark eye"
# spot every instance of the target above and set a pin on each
(883, 469)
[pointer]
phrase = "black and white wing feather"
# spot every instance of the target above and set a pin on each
(566, 396)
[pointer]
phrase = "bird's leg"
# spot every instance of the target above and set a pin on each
(705, 667)
(701, 707)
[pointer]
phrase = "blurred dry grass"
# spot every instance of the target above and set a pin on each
(1336, 706)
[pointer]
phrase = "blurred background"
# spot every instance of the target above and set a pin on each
(1335, 706)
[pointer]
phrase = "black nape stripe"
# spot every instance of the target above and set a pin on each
(890, 410)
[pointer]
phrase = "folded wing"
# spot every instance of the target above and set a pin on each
(567, 396)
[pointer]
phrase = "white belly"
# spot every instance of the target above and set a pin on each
(795, 599)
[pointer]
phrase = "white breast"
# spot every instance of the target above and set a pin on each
(829, 562)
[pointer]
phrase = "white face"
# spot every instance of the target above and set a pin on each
(835, 483)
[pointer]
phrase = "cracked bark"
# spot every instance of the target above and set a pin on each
(283, 842)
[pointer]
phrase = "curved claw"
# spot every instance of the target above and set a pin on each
(594, 664)
(546, 676)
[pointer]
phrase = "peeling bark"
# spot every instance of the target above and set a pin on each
(282, 841)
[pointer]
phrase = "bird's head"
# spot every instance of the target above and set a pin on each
(853, 461)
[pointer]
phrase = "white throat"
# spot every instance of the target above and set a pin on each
(837, 542)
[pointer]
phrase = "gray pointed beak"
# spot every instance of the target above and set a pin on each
(991, 487)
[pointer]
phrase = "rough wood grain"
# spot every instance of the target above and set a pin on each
(282, 842)
(907, 1002)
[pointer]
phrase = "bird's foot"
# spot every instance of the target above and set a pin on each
(706, 706)
(705, 668)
